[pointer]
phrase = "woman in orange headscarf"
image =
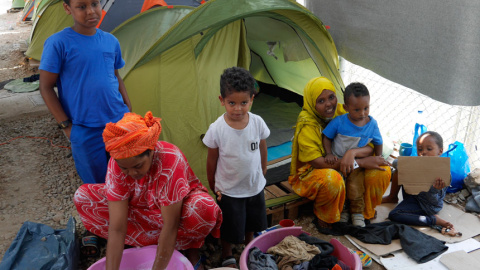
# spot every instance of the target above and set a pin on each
(150, 196)
(312, 177)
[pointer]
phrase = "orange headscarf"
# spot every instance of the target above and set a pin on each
(132, 135)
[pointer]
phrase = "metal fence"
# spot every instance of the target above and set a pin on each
(396, 107)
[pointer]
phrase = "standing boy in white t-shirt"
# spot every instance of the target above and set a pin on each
(237, 162)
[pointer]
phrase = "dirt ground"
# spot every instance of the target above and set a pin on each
(37, 173)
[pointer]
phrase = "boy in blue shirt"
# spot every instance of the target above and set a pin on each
(237, 162)
(83, 62)
(355, 129)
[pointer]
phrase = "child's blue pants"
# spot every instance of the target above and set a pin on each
(410, 212)
(88, 150)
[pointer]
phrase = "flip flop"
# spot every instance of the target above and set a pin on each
(89, 243)
(230, 260)
(445, 231)
(450, 232)
(199, 263)
(364, 258)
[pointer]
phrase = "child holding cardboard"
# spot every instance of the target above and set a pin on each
(422, 209)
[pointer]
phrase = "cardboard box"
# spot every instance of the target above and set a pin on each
(418, 174)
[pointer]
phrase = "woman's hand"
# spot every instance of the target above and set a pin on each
(168, 236)
(373, 162)
(117, 229)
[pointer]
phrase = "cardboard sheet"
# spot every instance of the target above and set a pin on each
(466, 223)
(460, 260)
(417, 174)
(400, 260)
(463, 222)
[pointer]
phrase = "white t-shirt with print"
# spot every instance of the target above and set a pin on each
(239, 168)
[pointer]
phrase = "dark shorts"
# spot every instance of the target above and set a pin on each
(242, 215)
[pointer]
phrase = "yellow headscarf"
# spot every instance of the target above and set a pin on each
(309, 115)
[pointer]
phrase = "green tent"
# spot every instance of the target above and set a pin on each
(18, 3)
(175, 56)
(48, 18)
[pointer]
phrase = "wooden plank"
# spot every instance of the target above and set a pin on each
(278, 160)
(275, 190)
(287, 186)
(278, 215)
(291, 208)
(281, 200)
(268, 195)
(276, 209)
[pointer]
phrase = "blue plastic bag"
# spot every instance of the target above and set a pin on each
(459, 165)
(419, 130)
(38, 246)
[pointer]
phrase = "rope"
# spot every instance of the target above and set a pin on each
(32, 137)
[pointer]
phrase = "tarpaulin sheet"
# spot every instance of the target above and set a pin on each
(430, 46)
(38, 246)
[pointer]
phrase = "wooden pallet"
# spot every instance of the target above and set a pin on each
(282, 202)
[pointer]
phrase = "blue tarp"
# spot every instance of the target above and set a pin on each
(38, 246)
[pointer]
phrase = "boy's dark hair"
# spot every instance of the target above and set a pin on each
(67, 2)
(436, 137)
(236, 79)
(356, 89)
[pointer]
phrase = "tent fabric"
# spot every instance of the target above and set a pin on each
(279, 116)
(19, 86)
(49, 17)
(18, 4)
(430, 46)
(175, 56)
(28, 10)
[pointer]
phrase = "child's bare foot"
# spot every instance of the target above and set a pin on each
(443, 223)
(390, 199)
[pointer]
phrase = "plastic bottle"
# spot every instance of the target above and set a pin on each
(420, 120)
(421, 117)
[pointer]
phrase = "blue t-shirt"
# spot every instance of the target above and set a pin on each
(346, 135)
(87, 85)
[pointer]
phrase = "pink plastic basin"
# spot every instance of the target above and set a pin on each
(143, 258)
(271, 238)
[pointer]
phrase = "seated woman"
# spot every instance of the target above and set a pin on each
(312, 177)
(150, 196)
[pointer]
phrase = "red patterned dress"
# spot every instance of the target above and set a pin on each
(169, 181)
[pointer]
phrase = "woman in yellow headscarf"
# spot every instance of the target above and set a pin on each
(312, 177)
(150, 197)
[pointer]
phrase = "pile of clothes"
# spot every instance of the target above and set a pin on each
(303, 252)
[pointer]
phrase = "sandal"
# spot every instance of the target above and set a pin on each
(446, 231)
(229, 261)
(450, 232)
(364, 258)
(199, 263)
(89, 245)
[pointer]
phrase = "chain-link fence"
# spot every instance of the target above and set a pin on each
(396, 107)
